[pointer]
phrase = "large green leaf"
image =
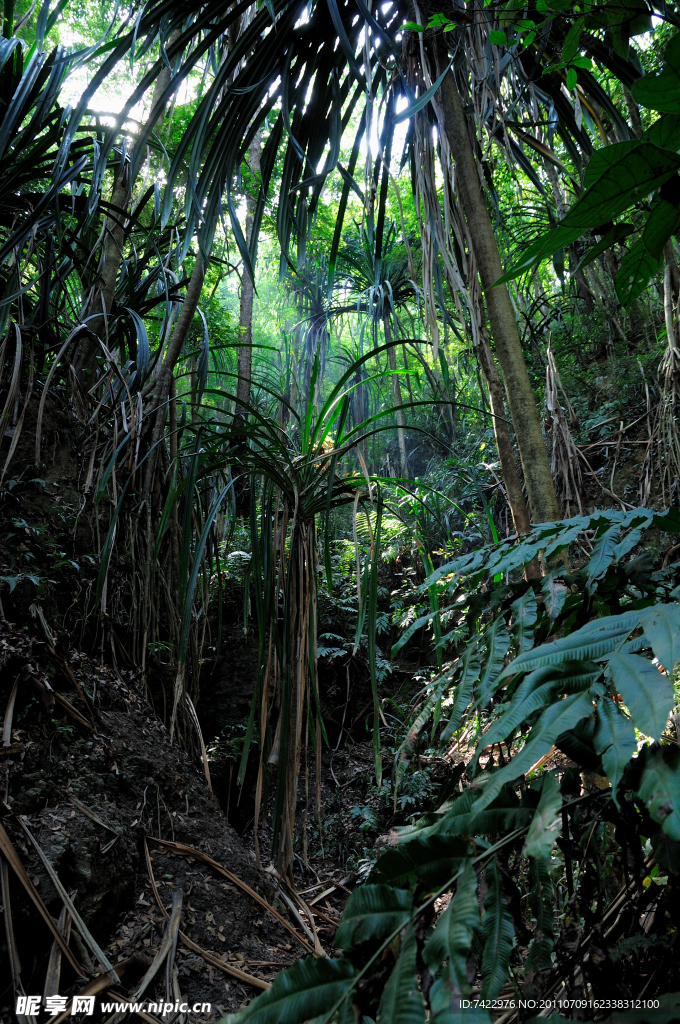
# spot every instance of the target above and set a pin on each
(524, 614)
(665, 132)
(662, 92)
(498, 932)
(618, 233)
(595, 640)
(542, 247)
(614, 741)
(659, 788)
(497, 642)
(606, 157)
(603, 554)
(645, 691)
(453, 936)
(372, 913)
(559, 718)
(541, 905)
(663, 222)
(637, 172)
(299, 994)
(402, 1001)
(554, 593)
(542, 834)
(433, 859)
(637, 268)
(538, 689)
(470, 667)
(662, 629)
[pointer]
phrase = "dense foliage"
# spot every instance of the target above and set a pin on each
(339, 306)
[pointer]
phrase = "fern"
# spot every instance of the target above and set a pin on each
(447, 950)
(372, 912)
(499, 934)
(304, 991)
(402, 1002)
(497, 641)
(541, 905)
(524, 614)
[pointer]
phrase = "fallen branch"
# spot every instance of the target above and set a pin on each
(190, 851)
(209, 957)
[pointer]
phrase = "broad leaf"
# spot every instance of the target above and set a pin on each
(664, 133)
(542, 247)
(662, 629)
(659, 788)
(617, 234)
(663, 222)
(541, 905)
(497, 644)
(645, 691)
(637, 172)
(595, 640)
(498, 932)
(541, 834)
(637, 268)
(401, 1001)
(372, 913)
(455, 932)
(554, 594)
(662, 92)
(300, 993)
(524, 614)
(603, 159)
(538, 689)
(559, 718)
(470, 667)
(614, 741)
(434, 859)
(602, 556)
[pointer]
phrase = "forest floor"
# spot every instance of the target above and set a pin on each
(90, 772)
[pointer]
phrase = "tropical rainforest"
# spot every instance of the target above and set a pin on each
(339, 511)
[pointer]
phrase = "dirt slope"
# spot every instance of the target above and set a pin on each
(91, 778)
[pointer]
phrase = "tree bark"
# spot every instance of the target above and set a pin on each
(396, 396)
(245, 322)
(633, 113)
(511, 478)
(521, 402)
(104, 288)
(163, 384)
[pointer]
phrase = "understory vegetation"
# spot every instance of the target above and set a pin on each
(339, 450)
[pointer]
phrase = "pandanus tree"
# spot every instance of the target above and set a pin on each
(299, 476)
(375, 265)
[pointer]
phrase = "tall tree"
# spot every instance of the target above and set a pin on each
(245, 321)
(521, 402)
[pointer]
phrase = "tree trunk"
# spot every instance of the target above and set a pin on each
(245, 322)
(104, 288)
(396, 396)
(521, 402)
(163, 385)
(511, 479)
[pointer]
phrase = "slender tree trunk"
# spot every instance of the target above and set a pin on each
(163, 384)
(633, 112)
(511, 478)
(245, 322)
(104, 289)
(396, 396)
(521, 402)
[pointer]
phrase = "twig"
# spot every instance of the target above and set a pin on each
(68, 902)
(12, 857)
(210, 958)
(190, 851)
